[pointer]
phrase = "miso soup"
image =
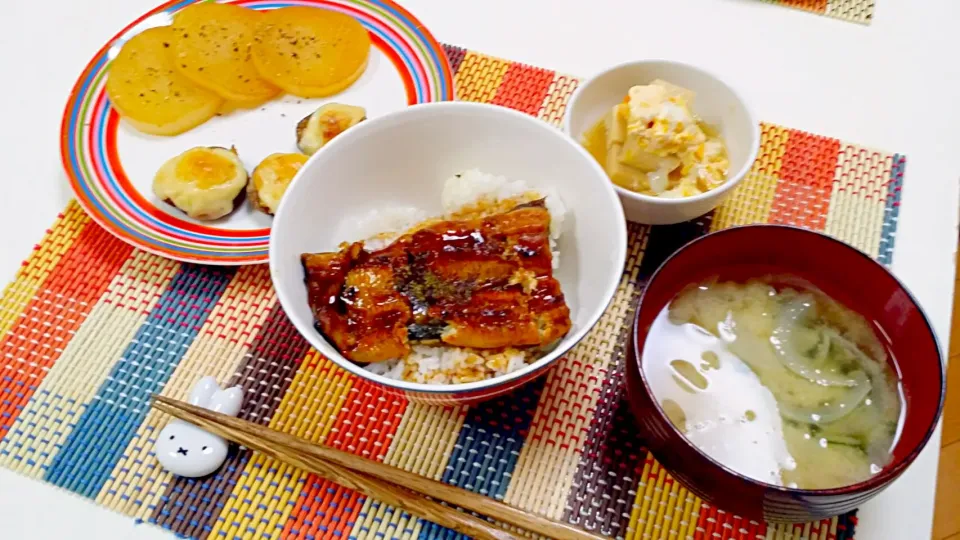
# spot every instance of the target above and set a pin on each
(779, 383)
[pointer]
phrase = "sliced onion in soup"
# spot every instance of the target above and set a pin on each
(833, 411)
(804, 366)
(874, 368)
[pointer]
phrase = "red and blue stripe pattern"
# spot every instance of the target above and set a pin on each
(142, 370)
(91, 327)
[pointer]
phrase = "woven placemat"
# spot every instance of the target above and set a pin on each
(92, 327)
(858, 11)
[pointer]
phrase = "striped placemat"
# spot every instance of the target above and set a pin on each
(858, 11)
(91, 328)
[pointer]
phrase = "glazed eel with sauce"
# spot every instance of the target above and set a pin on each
(482, 283)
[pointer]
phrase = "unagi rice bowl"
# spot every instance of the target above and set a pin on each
(471, 194)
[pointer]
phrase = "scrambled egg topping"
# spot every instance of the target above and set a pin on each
(653, 144)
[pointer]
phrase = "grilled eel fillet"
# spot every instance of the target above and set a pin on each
(481, 283)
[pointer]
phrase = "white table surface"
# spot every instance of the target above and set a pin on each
(891, 85)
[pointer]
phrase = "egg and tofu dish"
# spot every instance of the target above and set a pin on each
(652, 143)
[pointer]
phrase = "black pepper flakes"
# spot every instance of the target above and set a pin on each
(166, 45)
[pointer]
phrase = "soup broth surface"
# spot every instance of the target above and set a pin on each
(778, 382)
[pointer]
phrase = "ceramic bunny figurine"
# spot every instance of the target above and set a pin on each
(185, 449)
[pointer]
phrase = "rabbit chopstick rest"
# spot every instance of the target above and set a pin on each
(186, 450)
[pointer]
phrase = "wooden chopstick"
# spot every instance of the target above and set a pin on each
(373, 487)
(396, 487)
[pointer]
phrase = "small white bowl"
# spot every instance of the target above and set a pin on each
(718, 105)
(403, 159)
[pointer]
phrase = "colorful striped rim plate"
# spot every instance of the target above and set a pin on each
(111, 166)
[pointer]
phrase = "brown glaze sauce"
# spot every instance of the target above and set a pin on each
(480, 283)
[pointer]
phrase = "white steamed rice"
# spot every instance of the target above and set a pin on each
(451, 365)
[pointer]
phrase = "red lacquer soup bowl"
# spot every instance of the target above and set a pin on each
(849, 276)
